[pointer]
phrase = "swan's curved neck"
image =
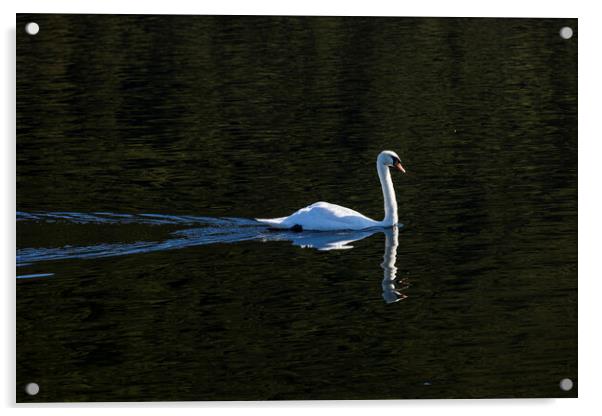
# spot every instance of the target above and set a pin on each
(388, 194)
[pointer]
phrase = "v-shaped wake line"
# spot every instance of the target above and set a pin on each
(206, 230)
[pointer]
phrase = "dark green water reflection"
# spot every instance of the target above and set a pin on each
(256, 117)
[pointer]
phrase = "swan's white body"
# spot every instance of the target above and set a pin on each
(323, 216)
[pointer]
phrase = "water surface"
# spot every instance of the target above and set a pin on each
(146, 145)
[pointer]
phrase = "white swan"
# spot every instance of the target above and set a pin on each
(323, 216)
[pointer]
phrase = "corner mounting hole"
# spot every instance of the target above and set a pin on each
(32, 389)
(32, 28)
(566, 384)
(566, 32)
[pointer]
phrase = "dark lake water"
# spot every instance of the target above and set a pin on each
(146, 145)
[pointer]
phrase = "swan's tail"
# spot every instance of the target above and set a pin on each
(273, 222)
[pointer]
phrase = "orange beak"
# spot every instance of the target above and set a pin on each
(399, 167)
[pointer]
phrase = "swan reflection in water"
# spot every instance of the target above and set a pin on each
(212, 231)
(324, 241)
(391, 286)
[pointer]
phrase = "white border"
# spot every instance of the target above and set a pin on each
(508, 8)
(590, 138)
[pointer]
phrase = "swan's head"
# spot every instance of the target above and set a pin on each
(390, 158)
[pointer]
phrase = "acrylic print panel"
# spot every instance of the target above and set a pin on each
(147, 147)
